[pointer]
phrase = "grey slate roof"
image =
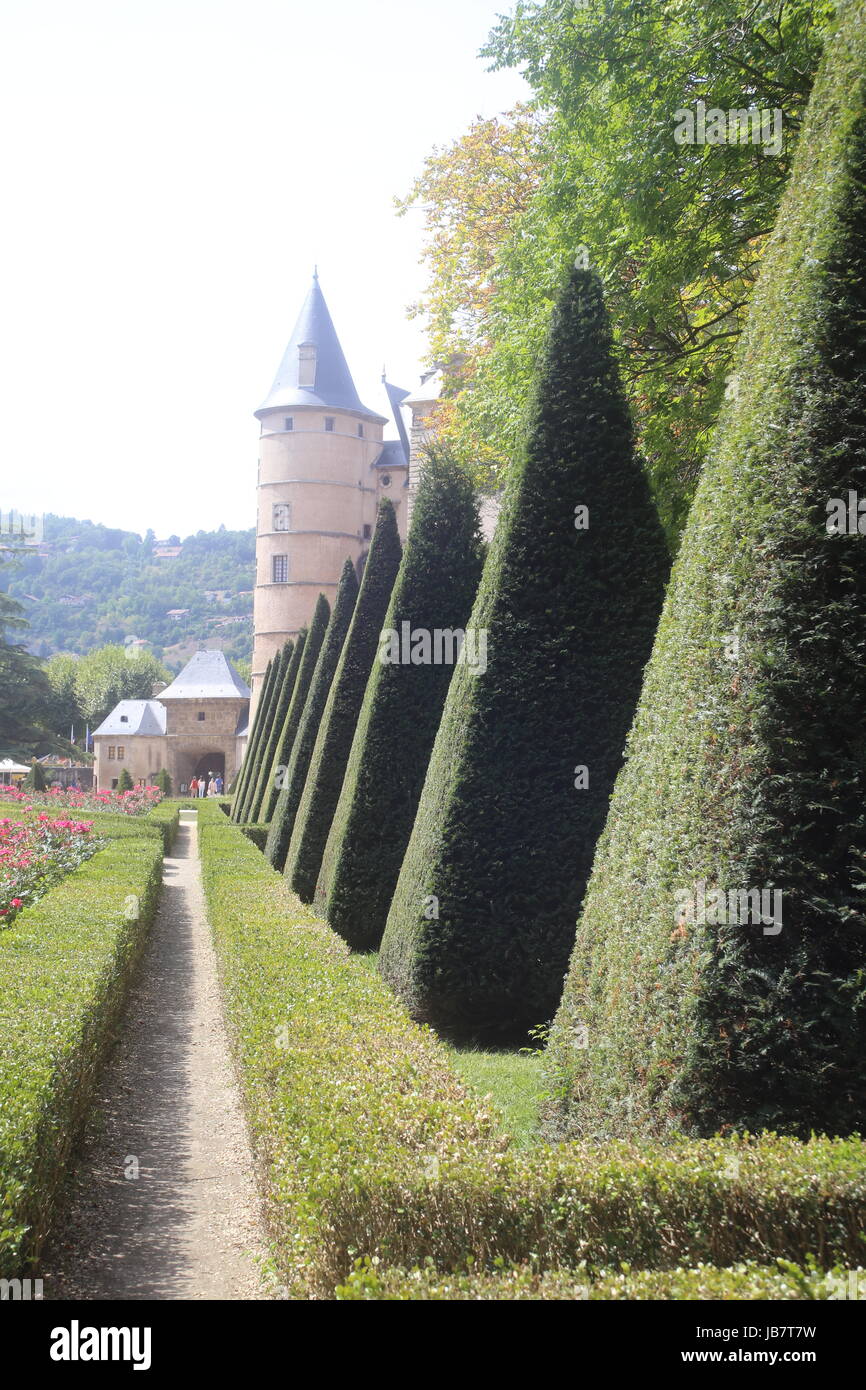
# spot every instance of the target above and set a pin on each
(334, 386)
(134, 717)
(207, 676)
(392, 455)
(396, 397)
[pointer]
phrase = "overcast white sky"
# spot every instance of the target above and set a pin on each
(170, 172)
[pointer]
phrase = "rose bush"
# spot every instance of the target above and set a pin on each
(136, 802)
(35, 854)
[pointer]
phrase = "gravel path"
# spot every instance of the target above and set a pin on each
(189, 1225)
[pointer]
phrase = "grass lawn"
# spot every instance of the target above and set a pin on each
(514, 1081)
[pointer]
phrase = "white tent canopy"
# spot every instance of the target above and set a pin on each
(7, 765)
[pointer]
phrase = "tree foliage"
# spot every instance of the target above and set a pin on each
(676, 231)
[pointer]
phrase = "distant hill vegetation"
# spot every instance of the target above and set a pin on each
(87, 585)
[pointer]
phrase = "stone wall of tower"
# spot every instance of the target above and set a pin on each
(327, 480)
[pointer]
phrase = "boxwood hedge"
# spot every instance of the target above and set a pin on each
(433, 593)
(482, 922)
(336, 730)
(747, 762)
(369, 1146)
(295, 777)
(748, 1281)
(65, 964)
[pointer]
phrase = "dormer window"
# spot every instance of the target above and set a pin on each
(307, 365)
(124, 719)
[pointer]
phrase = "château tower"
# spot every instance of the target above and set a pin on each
(323, 465)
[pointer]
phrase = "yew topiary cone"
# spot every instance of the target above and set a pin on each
(691, 1003)
(294, 779)
(334, 739)
(434, 592)
(286, 680)
(286, 740)
(482, 923)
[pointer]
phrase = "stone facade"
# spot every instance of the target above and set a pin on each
(198, 724)
(323, 466)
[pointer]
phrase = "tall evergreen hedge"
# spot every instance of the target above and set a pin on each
(259, 731)
(482, 922)
(334, 739)
(294, 713)
(434, 591)
(276, 715)
(254, 737)
(747, 764)
(294, 779)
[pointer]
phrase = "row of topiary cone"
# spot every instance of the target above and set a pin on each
(454, 813)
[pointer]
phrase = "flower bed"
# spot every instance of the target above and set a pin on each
(136, 802)
(65, 965)
(35, 854)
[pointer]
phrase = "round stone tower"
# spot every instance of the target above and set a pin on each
(322, 467)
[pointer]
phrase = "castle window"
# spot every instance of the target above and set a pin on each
(121, 752)
(360, 431)
(290, 422)
(329, 424)
(200, 716)
(112, 753)
(307, 365)
(280, 569)
(368, 530)
(282, 516)
(386, 479)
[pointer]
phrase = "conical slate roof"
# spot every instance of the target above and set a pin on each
(333, 385)
(207, 676)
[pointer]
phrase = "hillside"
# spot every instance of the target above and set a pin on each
(86, 585)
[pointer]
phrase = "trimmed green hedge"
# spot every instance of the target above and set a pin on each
(294, 714)
(65, 965)
(341, 1087)
(747, 762)
(258, 834)
(482, 922)
(743, 1282)
(273, 734)
(295, 777)
(256, 731)
(402, 707)
(336, 731)
(166, 816)
(369, 1145)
